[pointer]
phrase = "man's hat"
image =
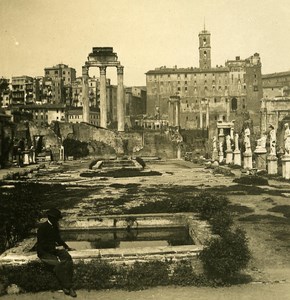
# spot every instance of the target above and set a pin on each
(54, 212)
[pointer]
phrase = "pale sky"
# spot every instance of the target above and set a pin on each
(146, 34)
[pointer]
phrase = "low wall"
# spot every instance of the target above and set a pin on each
(198, 230)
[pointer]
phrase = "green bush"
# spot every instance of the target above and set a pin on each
(225, 256)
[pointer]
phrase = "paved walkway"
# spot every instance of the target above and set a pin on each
(241, 292)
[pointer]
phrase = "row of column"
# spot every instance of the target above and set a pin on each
(103, 97)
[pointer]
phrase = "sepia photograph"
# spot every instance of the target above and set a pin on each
(145, 149)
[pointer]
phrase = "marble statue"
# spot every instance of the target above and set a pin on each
(272, 135)
(214, 144)
(228, 143)
(236, 142)
(247, 141)
(287, 139)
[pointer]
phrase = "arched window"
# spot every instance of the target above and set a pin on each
(234, 104)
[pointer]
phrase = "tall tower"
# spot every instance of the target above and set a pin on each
(204, 50)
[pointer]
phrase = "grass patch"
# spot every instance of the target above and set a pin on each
(240, 209)
(251, 180)
(266, 219)
(282, 209)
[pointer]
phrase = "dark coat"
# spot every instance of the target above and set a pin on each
(48, 237)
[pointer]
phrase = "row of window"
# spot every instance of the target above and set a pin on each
(187, 75)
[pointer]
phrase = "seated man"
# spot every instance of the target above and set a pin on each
(48, 237)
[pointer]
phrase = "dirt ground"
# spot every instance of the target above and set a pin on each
(263, 214)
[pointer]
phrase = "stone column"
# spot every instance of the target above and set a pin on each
(200, 115)
(207, 114)
(103, 97)
(85, 94)
(120, 100)
(170, 113)
(228, 103)
(177, 113)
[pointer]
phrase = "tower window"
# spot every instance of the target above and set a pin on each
(234, 104)
(204, 53)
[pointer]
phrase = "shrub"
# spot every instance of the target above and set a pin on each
(31, 277)
(221, 222)
(19, 213)
(75, 148)
(147, 274)
(94, 275)
(183, 274)
(251, 180)
(209, 204)
(224, 257)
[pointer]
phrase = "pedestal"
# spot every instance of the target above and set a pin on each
(229, 157)
(248, 161)
(25, 157)
(32, 156)
(61, 153)
(272, 164)
(261, 156)
(178, 153)
(237, 158)
(47, 155)
(215, 155)
(221, 157)
(286, 166)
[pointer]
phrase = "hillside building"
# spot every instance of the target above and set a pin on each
(276, 85)
(207, 94)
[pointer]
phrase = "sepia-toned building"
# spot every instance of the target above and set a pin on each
(25, 90)
(276, 84)
(207, 94)
(57, 84)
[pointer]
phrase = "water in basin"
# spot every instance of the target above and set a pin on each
(122, 238)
